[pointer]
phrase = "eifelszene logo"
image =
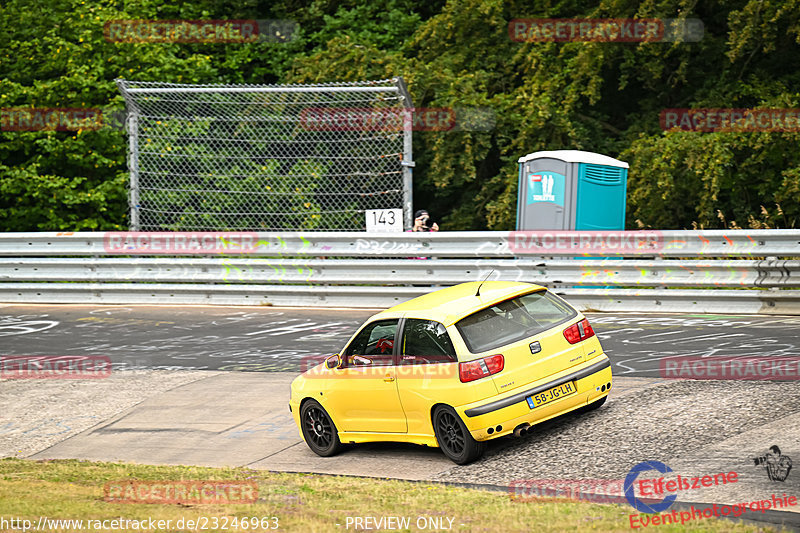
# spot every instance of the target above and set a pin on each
(639, 504)
(649, 489)
(777, 466)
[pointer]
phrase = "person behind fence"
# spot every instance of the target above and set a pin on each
(777, 466)
(424, 222)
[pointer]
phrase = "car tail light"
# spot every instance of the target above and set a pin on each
(580, 331)
(480, 368)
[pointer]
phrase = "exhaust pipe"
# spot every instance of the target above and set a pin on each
(521, 430)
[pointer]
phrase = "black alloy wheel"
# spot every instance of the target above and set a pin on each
(453, 437)
(319, 430)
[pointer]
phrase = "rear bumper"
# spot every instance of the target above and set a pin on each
(592, 381)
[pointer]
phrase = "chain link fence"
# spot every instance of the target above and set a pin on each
(266, 157)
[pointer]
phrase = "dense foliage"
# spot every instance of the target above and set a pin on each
(603, 97)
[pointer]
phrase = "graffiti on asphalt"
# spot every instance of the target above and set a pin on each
(24, 324)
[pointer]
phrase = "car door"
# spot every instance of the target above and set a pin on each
(427, 371)
(365, 395)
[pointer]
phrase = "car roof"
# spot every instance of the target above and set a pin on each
(451, 304)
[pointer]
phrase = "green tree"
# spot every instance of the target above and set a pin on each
(603, 97)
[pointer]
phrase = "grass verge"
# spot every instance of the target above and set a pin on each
(71, 489)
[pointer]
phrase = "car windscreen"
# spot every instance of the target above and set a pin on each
(513, 320)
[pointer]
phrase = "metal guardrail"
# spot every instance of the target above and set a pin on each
(498, 244)
(584, 273)
(753, 272)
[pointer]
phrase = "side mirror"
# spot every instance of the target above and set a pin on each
(332, 362)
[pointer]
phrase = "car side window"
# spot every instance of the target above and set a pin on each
(373, 346)
(426, 342)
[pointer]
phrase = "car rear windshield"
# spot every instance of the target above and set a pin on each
(513, 320)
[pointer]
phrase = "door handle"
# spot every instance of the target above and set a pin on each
(388, 378)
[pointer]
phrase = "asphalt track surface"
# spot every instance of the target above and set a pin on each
(235, 413)
(270, 339)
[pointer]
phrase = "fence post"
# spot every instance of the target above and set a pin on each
(133, 165)
(408, 158)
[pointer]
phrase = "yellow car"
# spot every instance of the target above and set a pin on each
(453, 369)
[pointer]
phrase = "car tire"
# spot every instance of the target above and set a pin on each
(453, 437)
(319, 431)
(594, 405)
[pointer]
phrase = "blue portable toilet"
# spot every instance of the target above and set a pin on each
(571, 190)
